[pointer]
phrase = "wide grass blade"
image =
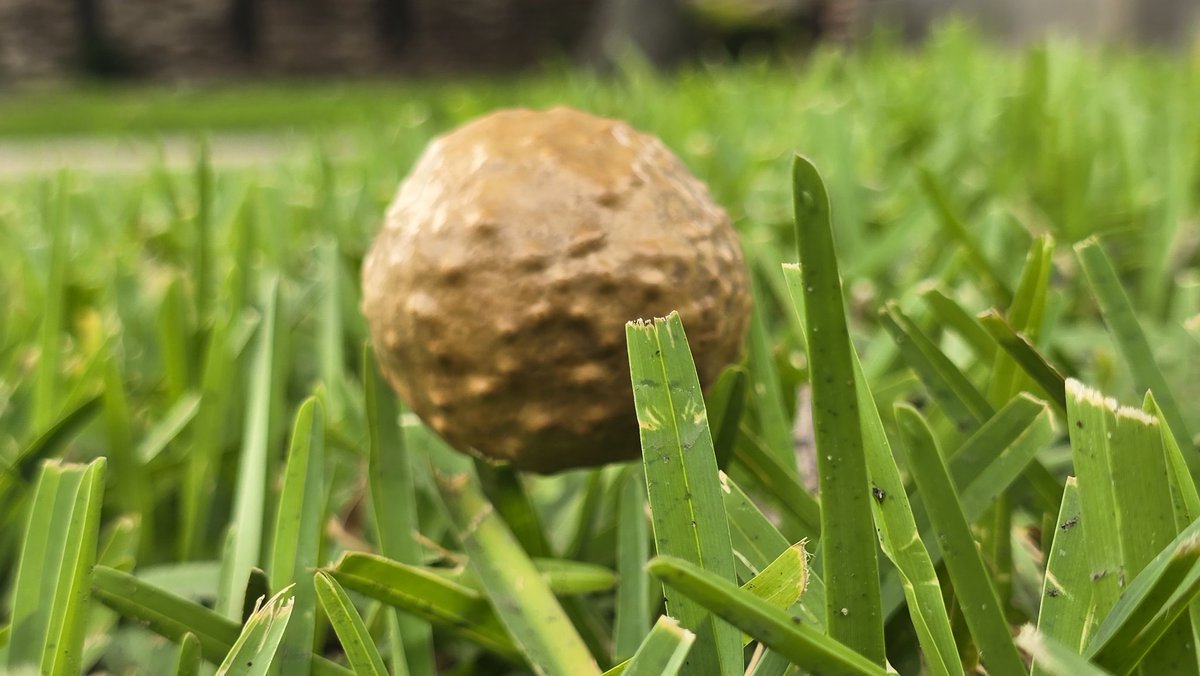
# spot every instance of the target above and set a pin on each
(853, 607)
(523, 601)
(53, 581)
(968, 572)
(632, 622)
(361, 653)
(681, 481)
(254, 650)
(812, 651)
(663, 651)
(1067, 614)
(297, 542)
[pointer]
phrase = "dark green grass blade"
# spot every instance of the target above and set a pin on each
(1051, 382)
(814, 652)
(681, 481)
(352, 633)
(951, 315)
(968, 572)
(726, 402)
(49, 443)
(853, 609)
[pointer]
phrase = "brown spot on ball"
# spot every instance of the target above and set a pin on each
(519, 245)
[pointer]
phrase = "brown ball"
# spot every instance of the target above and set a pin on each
(498, 290)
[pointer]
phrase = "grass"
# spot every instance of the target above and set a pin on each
(199, 464)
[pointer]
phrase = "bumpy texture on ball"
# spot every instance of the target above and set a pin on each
(513, 255)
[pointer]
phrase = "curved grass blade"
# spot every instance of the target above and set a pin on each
(853, 607)
(681, 481)
(1052, 657)
(254, 650)
(523, 602)
(968, 572)
(351, 631)
(812, 651)
(173, 617)
(187, 659)
(663, 651)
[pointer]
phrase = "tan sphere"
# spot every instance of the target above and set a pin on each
(498, 290)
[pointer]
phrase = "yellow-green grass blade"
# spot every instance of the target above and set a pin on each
(632, 622)
(1049, 380)
(1025, 314)
(360, 650)
(296, 544)
(48, 375)
(173, 617)
(522, 600)
(202, 244)
(663, 651)
(812, 651)
(52, 589)
(249, 504)
(1067, 614)
(951, 315)
(897, 526)
(969, 574)
(393, 507)
(169, 427)
(564, 576)
(681, 481)
(853, 611)
(1131, 341)
(331, 358)
(188, 658)
(254, 651)
(1053, 658)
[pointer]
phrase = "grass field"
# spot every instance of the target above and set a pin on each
(200, 332)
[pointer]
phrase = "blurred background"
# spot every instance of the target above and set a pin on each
(220, 39)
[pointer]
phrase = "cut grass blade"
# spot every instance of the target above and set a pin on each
(1067, 614)
(968, 572)
(1052, 657)
(173, 617)
(254, 650)
(812, 651)
(663, 651)
(361, 653)
(853, 609)
(523, 601)
(53, 579)
(681, 481)
(632, 622)
(296, 544)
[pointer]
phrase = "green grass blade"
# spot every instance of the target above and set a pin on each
(393, 503)
(951, 315)
(1052, 657)
(775, 628)
(1051, 382)
(173, 617)
(663, 651)
(957, 230)
(853, 609)
(1122, 322)
(361, 653)
(169, 427)
(255, 648)
(427, 595)
(249, 502)
(968, 572)
(297, 540)
(331, 358)
(502, 487)
(53, 579)
(632, 622)
(188, 658)
(1067, 614)
(50, 442)
(797, 505)
(47, 377)
(523, 601)
(774, 421)
(681, 481)
(726, 402)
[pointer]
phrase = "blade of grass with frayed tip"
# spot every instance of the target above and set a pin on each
(951, 315)
(812, 651)
(1048, 379)
(968, 572)
(522, 600)
(187, 659)
(255, 649)
(52, 587)
(897, 527)
(393, 507)
(296, 545)
(351, 631)
(853, 611)
(632, 622)
(429, 596)
(1067, 614)
(1122, 322)
(681, 481)
(249, 503)
(173, 617)
(1052, 657)
(663, 651)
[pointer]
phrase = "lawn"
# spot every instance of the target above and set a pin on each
(189, 419)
